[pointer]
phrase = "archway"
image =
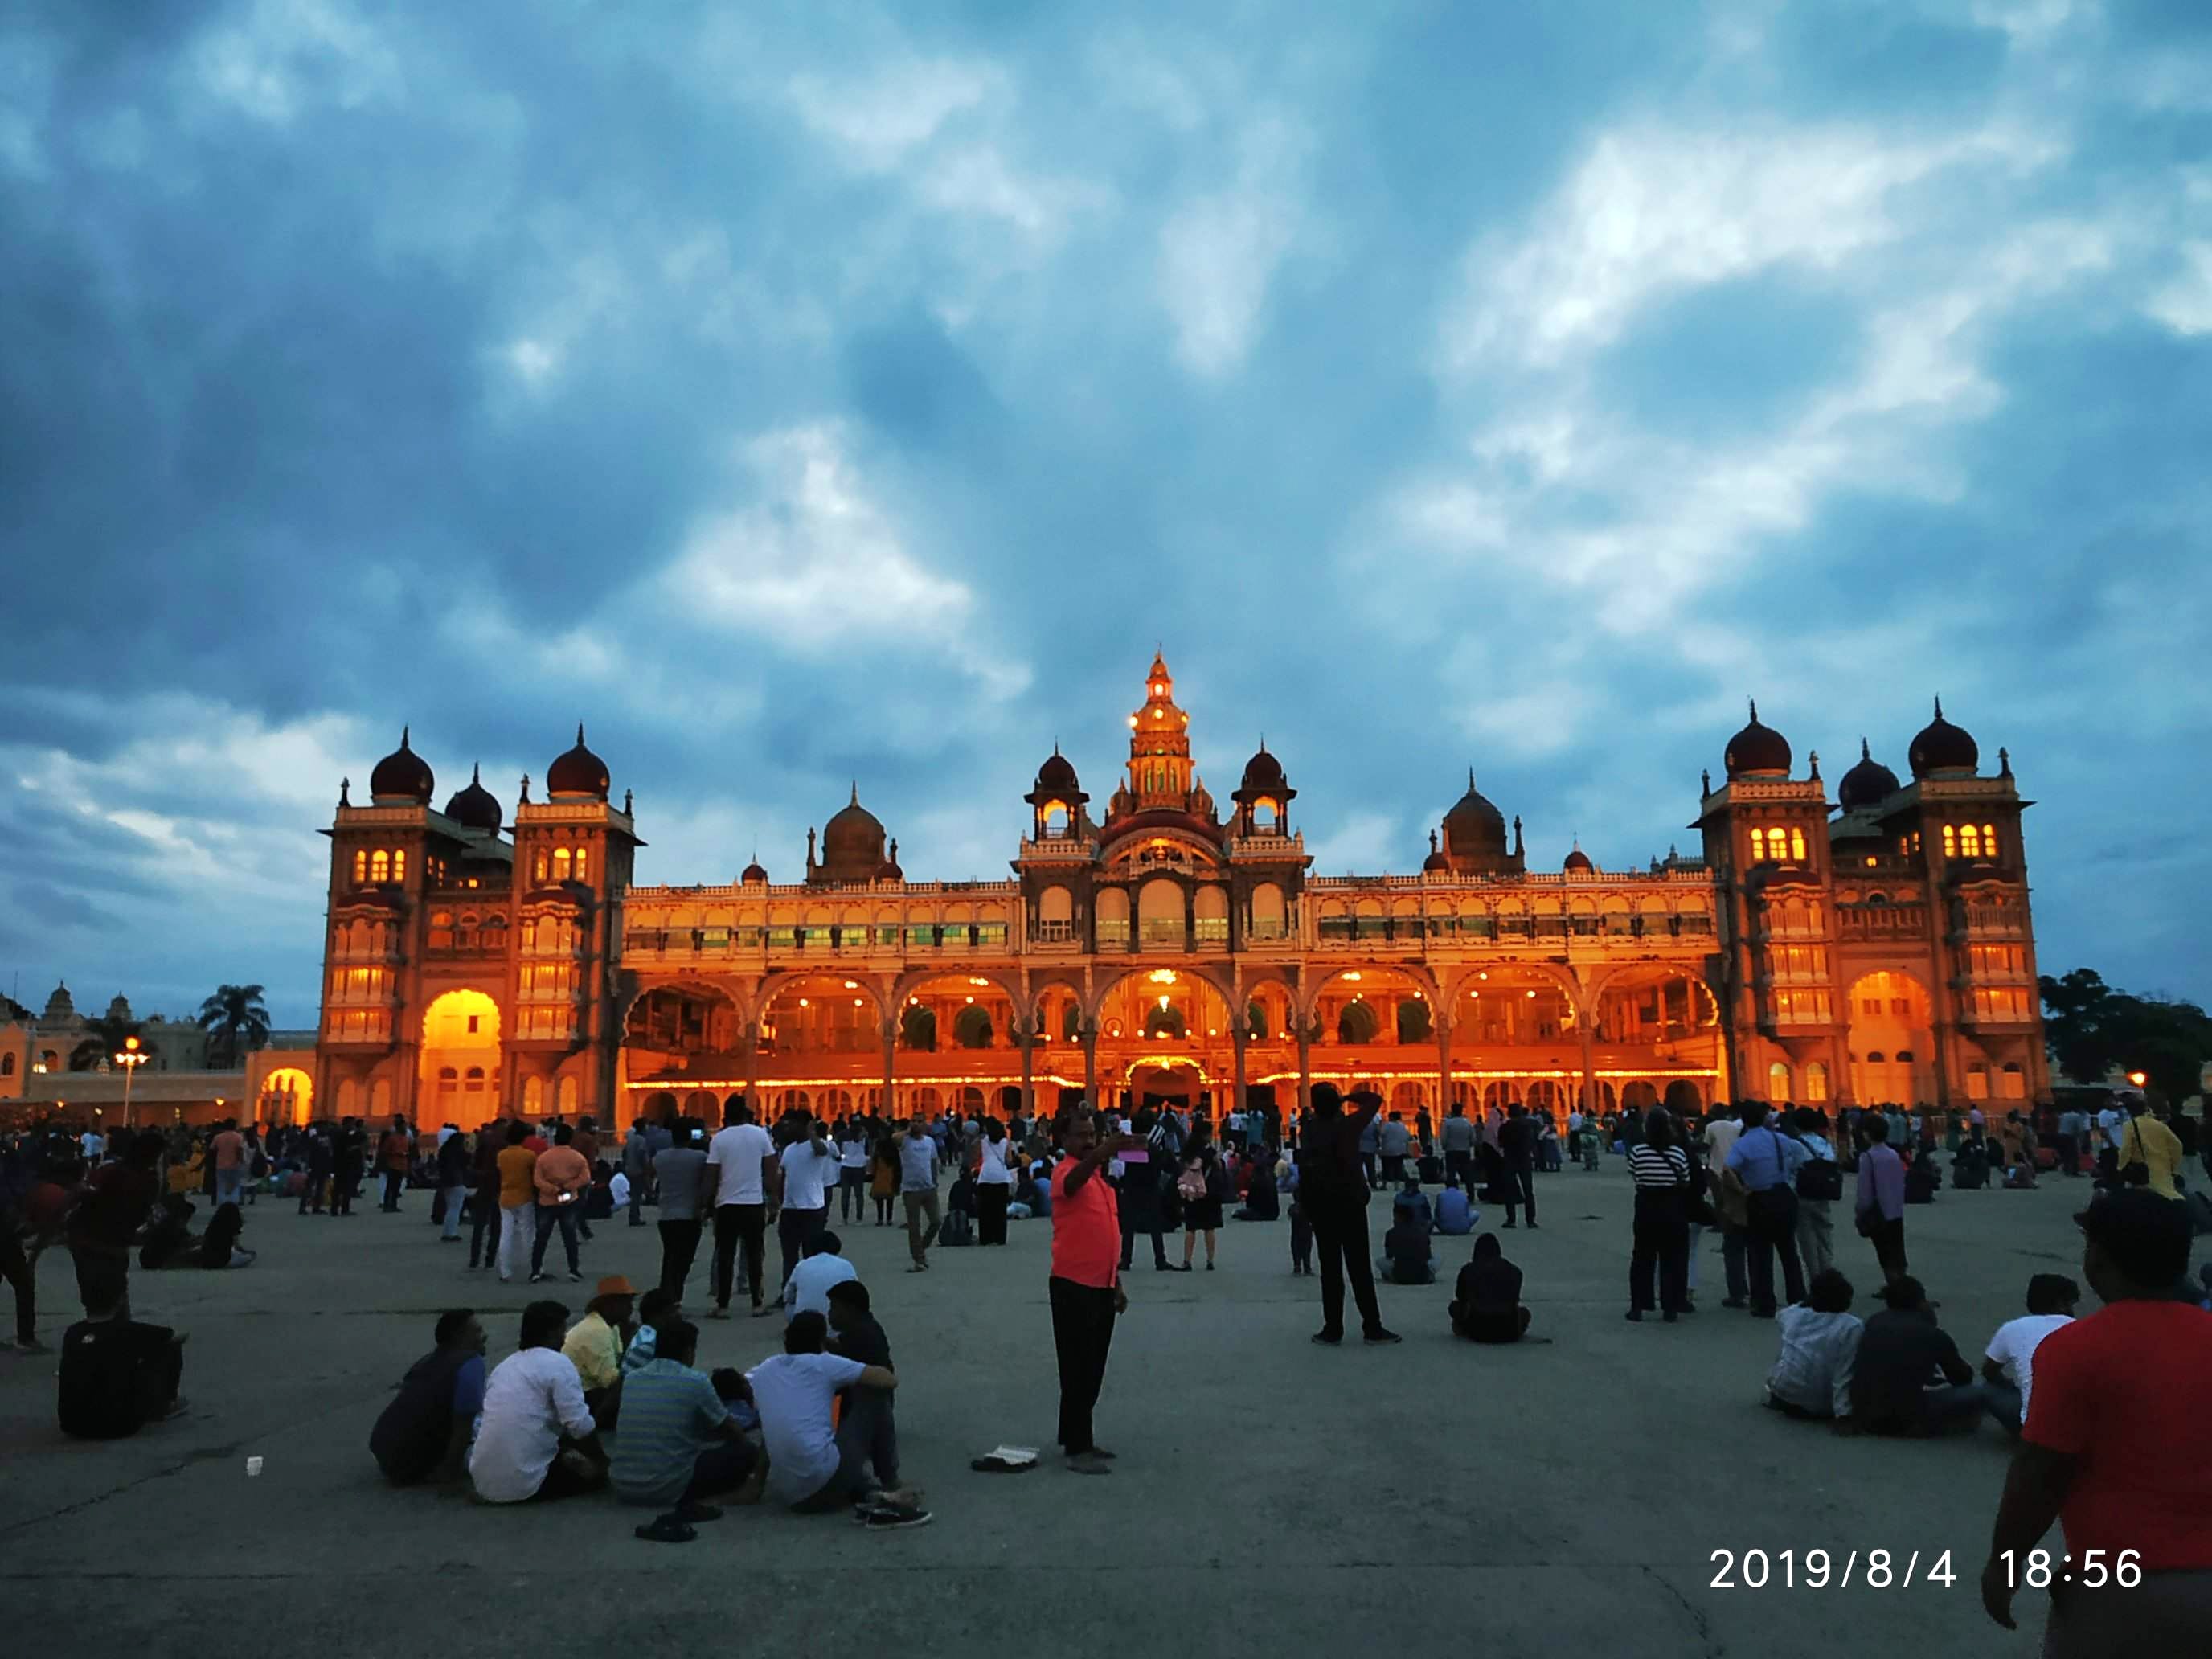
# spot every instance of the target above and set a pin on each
(1892, 1043)
(287, 1096)
(459, 1080)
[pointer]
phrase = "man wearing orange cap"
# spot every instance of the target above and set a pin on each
(595, 1346)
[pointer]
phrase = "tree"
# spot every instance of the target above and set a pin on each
(235, 1016)
(2093, 1029)
(104, 1035)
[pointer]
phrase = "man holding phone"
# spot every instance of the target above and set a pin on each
(1085, 1285)
(561, 1177)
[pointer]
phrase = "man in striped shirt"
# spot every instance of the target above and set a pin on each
(1660, 1171)
(678, 1444)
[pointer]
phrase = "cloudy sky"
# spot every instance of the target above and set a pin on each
(828, 392)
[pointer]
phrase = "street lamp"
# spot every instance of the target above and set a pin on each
(129, 1057)
(2138, 1078)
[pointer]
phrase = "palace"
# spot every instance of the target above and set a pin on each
(1875, 948)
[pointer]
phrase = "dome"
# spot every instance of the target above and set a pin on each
(1867, 784)
(1943, 747)
(1436, 863)
(579, 772)
(403, 774)
(1263, 775)
(1057, 775)
(1474, 826)
(1579, 862)
(1756, 749)
(852, 844)
(754, 873)
(60, 1004)
(475, 806)
(889, 870)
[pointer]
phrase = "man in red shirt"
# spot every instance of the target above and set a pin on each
(1085, 1287)
(226, 1151)
(2118, 1447)
(394, 1153)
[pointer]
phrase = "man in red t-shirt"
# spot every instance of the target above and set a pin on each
(394, 1153)
(226, 1151)
(2118, 1447)
(1085, 1287)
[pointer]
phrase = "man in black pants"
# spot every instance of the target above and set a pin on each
(1085, 1285)
(738, 1164)
(1333, 1190)
(1516, 1141)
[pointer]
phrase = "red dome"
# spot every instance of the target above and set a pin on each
(403, 774)
(754, 872)
(579, 772)
(1579, 861)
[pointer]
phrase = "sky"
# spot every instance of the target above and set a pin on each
(811, 394)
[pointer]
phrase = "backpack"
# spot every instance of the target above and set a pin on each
(1820, 1178)
(956, 1229)
(1190, 1185)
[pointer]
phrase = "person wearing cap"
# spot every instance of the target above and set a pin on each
(595, 1346)
(2117, 1448)
(1334, 1191)
(1909, 1378)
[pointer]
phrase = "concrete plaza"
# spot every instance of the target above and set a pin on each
(1270, 1495)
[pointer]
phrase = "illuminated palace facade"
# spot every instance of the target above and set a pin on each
(1875, 948)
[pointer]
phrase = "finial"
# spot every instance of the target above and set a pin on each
(1939, 707)
(344, 784)
(1707, 777)
(1814, 757)
(1432, 841)
(525, 799)
(2004, 762)
(476, 774)
(1754, 709)
(856, 792)
(579, 734)
(626, 798)
(1055, 745)
(1865, 753)
(894, 849)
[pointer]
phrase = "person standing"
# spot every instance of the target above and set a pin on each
(1333, 1192)
(453, 1170)
(995, 1183)
(348, 1149)
(917, 1157)
(637, 1162)
(852, 1170)
(1820, 1183)
(1880, 1199)
(2115, 1448)
(1517, 1144)
(1660, 1171)
(517, 1201)
(227, 1152)
(118, 1199)
(809, 1170)
(1459, 1146)
(321, 1163)
(1203, 1185)
(681, 1173)
(1085, 1287)
(394, 1153)
(560, 1177)
(737, 1160)
(1721, 1128)
(1766, 1165)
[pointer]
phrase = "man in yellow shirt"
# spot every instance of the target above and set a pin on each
(595, 1343)
(2148, 1142)
(518, 1199)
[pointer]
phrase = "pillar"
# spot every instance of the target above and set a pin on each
(1589, 1068)
(890, 1069)
(1236, 1038)
(749, 1045)
(1443, 1019)
(1091, 1064)
(1025, 1033)
(1305, 1067)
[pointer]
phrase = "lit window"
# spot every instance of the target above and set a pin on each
(1969, 841)
(1950, 842)
(399, 865)
(1797, 845)
(379, 866)
(1990, 841)
(360, 866)
(1757, 845)
(540, 877)
(560, 864)
(582, 855)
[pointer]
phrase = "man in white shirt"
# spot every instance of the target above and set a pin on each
(810, 1170)
(2008, 1366)
(1721, 1132)
(811, 1467)
(737, 1160)
(807, 1290)
(536, 1438)
(917, 1153)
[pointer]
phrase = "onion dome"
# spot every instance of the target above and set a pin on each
(1263, 775)
(578, 773)
(852, 845)
(1579, 862)
(1867, 784)
(1436, 863)
(1756, 749)
(889, 870)
(1474, 828)
(754, 873)
(475, 806)
(1058, 772)
(1943, 747)
(402, 775)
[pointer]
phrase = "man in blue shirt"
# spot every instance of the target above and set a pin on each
(1455, 1215)
(1767, 1163)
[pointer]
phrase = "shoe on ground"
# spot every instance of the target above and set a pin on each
(892, 1517)
(1088, 1463)
(1637, 1314)
(1209, 1267)
(719, 1310)
(1532, 1226)
(1329, 1338)
(1735, 1302)
(1381, 1338)
(575, 1278)
(764, 1311)
(538, 1279)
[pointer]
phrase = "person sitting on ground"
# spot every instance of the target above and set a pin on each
(1455, 1211)
(537, 1438)
(118, 1375)
(1487, 1306)
(656, 1308)
(812, 1468)
(170, 1241)
(1908, 1378)
(1812, 1374)
(1412, 1206)
(679, 1445)
(2008, 1364)
(423, 1434)
(595, 1346)
(1262, 1201)
(1407, 1257)
(825, 1265)
(218, 1246)
(867, 1416)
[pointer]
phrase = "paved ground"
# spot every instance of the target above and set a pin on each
(1270, 1493)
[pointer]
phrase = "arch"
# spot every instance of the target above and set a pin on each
(1270, 916)
(287, 1096)
(1890, 1019)
(8, 1064)
(1160, 916)
(533, 1097)
(819, 1013)
(565, 1096)
(349, 1098)
(460, 1029)
(971, 1027)
(1357, 1023)
(1055, 904)
(1816, 1082)
(1778, 1087)
(1210, 915)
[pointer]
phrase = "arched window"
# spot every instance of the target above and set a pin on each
(1757, 845)
(1797, 846)
(583, 861)
(1988, 840)
(560, 864)
(360, 866)
(1950, 842)
(7, 1065)
(538, 870)
(1777, 1081)
(379, 866)
(1816, 1082)
(1969, 841)
(400, 864)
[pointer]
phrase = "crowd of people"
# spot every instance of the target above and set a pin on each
(615, 1399)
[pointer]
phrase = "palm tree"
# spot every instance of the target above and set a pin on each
(235, 1014)
(104, 1035)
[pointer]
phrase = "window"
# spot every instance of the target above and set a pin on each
(538, 870)
(560, 864)
(1990, 841)
(7, 1065)
(379, 866)
(360, 866)
(1950, 842)
(1757, 845)
(583, 864)
(400, 864)
(1797, 846)
(1969, 841)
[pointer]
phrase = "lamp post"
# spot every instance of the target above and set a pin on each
(129, 1057)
